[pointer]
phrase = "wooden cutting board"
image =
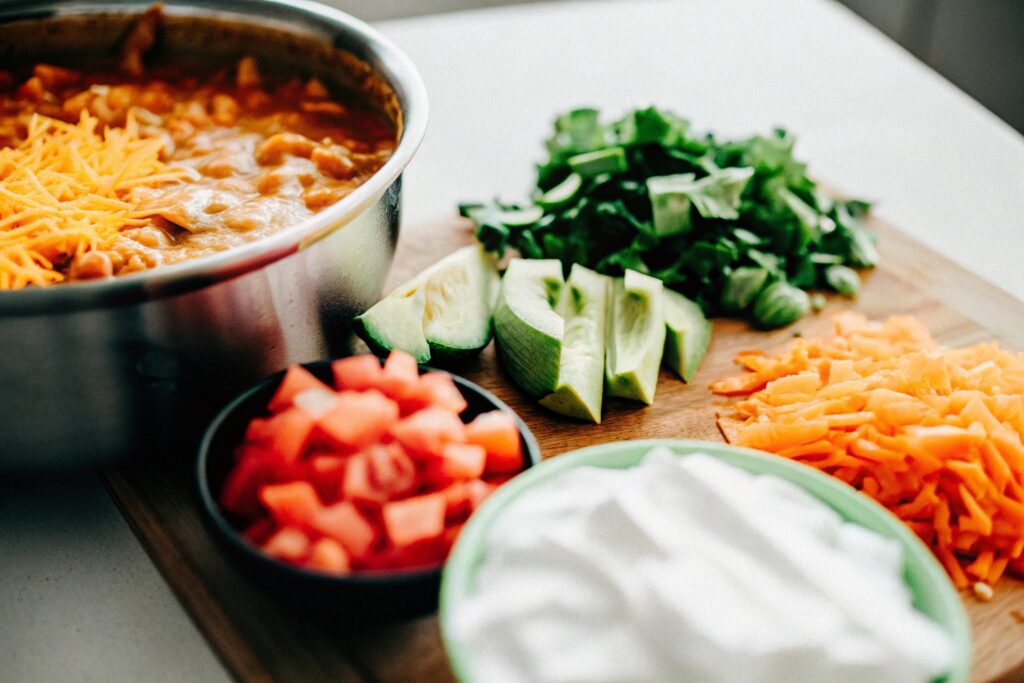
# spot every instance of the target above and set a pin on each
(260, 639)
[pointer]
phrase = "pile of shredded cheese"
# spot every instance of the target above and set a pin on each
(63, 192)
(936, 435)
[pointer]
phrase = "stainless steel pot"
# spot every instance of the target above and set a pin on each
(134, 366)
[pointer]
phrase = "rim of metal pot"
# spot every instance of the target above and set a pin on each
(338, 28)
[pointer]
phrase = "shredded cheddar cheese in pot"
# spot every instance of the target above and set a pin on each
(107, 172)
(63, 193)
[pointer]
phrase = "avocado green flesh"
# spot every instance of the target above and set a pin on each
(636, 337)
(528, 330)
(687, 335)
(458, 301)
(394, 323)
(443, 311)
(583, 306)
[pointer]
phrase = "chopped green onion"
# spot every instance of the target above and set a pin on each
(823, 259)
(807, 217)
(718, 195)
(590, 164)
(670, 203)
(644, 126)
(737, 226)
(561, 194)
(513, 218)
(842, 279)
(780, 304)
(742, 287)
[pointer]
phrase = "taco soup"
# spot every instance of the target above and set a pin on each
(125, 167)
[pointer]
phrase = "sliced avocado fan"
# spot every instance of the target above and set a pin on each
(441, 314)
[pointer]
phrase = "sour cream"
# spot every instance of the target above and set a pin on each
(689, 569)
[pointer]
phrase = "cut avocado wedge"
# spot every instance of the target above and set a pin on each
(583, 306)
(395, 322)
(441, 314)
(687, 334)
(528, 330)
(636, 337)
(551, 334)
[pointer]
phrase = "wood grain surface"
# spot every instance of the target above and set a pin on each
(261, 639)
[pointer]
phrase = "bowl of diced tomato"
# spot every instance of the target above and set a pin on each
(343, 484)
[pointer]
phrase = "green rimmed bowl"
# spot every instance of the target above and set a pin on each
(933, 593)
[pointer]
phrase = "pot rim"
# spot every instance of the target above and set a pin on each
(343, 31)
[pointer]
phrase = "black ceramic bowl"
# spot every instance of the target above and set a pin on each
(376, 595)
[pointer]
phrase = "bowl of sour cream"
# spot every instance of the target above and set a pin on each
(664, 560)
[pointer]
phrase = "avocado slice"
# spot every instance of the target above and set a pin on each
(687, 334)
(441, 314)
(636, 337)
(528, 330)
(583, 306)
(395, 322)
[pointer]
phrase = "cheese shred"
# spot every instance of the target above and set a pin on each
(64, 191)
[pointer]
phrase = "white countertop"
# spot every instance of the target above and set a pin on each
(79, 599)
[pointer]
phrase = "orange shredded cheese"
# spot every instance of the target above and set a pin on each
(936, 435)
(64, 190)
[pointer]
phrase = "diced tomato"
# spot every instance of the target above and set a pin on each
(439, 389)
(359, 419)
(328, 555)
(289, 544)
(296, 380)
(295, 503)
(259, 531)
(346, 525)
(463, 460)
(326, 480)
(457, 499)
(400, 378)
(326, 473)
(290, 432)
(496, 431)
(1016, 567)
(379, 561)
(240, 494)
(432, 476)
(477, 492)
(420, 554)
(259, 430)
(414, 520)
(357, 486)
(357, 373)
(315, 402)
(424, 434)
(392, 470)
(434, 389)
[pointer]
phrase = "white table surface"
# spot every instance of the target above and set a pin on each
(79, 599)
